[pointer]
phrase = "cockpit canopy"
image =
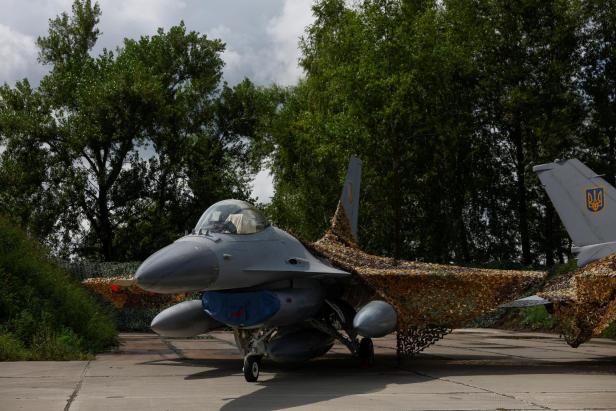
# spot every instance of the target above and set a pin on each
(232, 217)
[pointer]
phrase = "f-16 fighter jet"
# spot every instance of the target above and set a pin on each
(288, 300)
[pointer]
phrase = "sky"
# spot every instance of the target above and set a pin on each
(261, 37)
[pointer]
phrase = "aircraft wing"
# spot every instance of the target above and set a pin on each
(531, 301)
(426, 294)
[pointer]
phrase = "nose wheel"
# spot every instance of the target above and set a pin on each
(252, 366)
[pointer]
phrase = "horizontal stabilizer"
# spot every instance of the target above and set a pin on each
(531, 301)
(590, 253)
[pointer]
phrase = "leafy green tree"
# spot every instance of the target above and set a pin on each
(128, 147)
(26, 189)
(392, 82)
(448, 104)
(532, 103)
(598, 77)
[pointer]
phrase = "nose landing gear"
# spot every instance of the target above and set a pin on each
(252, 366)
(252, 345)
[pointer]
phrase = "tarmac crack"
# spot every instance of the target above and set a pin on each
(513, 397)
(75, 392)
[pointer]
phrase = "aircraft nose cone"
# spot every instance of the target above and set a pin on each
(180, 267)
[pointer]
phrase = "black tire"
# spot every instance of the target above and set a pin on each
(366, 352)
(252, 366)
(348, 312)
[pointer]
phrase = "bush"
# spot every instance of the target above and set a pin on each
(537, 318)
(11, 348)
(610, 331)
(46, 314)
(137, 319)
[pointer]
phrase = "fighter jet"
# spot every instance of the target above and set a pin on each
(285, 300)
(280, 300)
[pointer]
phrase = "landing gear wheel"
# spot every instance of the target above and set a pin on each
(348, 313)
(252, 365)
(366, 352)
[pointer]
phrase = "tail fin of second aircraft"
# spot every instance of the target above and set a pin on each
(345, 219)
(586, 204)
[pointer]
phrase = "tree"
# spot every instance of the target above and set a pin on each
(393, 82)
(448, 104)
(598, 75)
(131, 145)
(531, 98)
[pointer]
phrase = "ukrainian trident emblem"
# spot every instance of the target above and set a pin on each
(595, 199)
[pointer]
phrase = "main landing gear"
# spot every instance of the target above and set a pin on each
(340, 321)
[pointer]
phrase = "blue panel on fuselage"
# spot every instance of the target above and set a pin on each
(240, 309)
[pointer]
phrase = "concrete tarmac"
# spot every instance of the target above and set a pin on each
(471, 369)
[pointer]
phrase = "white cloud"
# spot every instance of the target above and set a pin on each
(17, 53)
(140, 16)
(267, 50)
(147, 12)
(285, 31)
(135, 18)
(263, 186)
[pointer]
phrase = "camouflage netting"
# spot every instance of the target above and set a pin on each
(413, 340)
(432, 298)
(429, 298)
(135, 307)
(585, 300)
(124, 293)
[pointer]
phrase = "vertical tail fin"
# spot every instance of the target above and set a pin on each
(586, 204)
(344, 223)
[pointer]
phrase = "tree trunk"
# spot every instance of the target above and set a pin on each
(549, 235)
(105, 230)
(611, 157)
(521, 189)
(397, 206)
(460, 194)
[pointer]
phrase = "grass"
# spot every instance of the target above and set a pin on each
(45, 314)
(610, 331)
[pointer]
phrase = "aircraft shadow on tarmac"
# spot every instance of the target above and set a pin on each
(338, 376)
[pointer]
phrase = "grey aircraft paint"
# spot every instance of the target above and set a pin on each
(375, 319)
(586, 204)
(184, 266)
(182, 320)
(350, 193)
